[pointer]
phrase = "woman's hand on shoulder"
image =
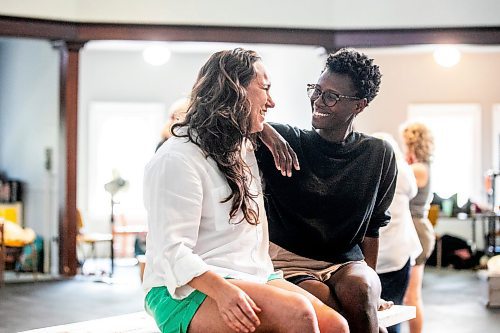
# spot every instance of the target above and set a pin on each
(237, 309)
(284, 156)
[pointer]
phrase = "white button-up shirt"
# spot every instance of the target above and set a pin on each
(398, 241)
(190, 231)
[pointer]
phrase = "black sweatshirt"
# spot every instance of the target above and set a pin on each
(340, 194)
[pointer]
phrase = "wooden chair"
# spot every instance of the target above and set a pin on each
(123, 230)
(91, 239)
(433, 218)
(10, 256)
(434, 214)
(2, 254)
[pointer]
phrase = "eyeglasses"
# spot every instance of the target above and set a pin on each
(328, 97)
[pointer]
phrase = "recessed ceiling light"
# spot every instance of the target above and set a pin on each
(447, 55)
(156, 55)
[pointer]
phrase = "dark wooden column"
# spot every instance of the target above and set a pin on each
(68, 131)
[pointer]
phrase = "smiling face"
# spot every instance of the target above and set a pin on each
(259, 97)
(341, 115)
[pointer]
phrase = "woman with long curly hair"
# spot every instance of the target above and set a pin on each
(419, 146)
(208, 267)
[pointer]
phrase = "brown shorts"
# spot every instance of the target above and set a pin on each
(296, 268)
(427, 238)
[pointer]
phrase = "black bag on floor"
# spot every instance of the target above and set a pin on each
(456, 252)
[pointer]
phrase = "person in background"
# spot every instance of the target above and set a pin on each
(176, 114)
(207, 263)
(324, 219)
(419, 146)
(399, 245)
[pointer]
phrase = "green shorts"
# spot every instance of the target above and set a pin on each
(173, 315)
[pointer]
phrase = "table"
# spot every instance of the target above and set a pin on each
(463, 226)
(481, 234)
(125, 230)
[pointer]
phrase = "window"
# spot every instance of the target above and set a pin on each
(122, 139)
(456, 163)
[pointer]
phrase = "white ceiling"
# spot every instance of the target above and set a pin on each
(206, 47)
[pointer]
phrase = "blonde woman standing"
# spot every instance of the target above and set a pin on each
(419, 146)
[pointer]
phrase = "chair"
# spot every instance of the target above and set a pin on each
(91, 239)
(2, 255)
(433, 218)
(11, 252)
(433, 214)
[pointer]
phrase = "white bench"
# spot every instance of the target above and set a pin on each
(396, 314)
(491, 288)
(141, 322)
(138, 322)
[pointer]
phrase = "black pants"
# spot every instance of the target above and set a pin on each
(394, 286)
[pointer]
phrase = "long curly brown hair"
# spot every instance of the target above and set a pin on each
(218, 121)
(419, 140)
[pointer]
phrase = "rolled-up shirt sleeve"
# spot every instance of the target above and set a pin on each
(173, 197)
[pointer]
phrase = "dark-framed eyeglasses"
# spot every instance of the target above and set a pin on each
(328, 97)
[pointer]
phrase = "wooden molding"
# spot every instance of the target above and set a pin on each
(329, 38)
(35, 28)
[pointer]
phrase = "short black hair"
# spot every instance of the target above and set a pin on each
(364, 74)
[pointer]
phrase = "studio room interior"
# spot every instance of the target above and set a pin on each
(85, 94)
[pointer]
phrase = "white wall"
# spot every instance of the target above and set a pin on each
(29, 120)
(336, 14)
(413, 77)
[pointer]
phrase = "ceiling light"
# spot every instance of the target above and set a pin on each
(156, 55)
(447, 56)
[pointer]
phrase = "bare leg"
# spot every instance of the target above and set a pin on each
(322, 292)
(357, 289)
(282, 311)
(413, 297)
(329, 320)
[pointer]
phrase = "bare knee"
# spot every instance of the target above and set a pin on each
(334, 323)
(363, 290)
(342, 326)
(301, 316)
